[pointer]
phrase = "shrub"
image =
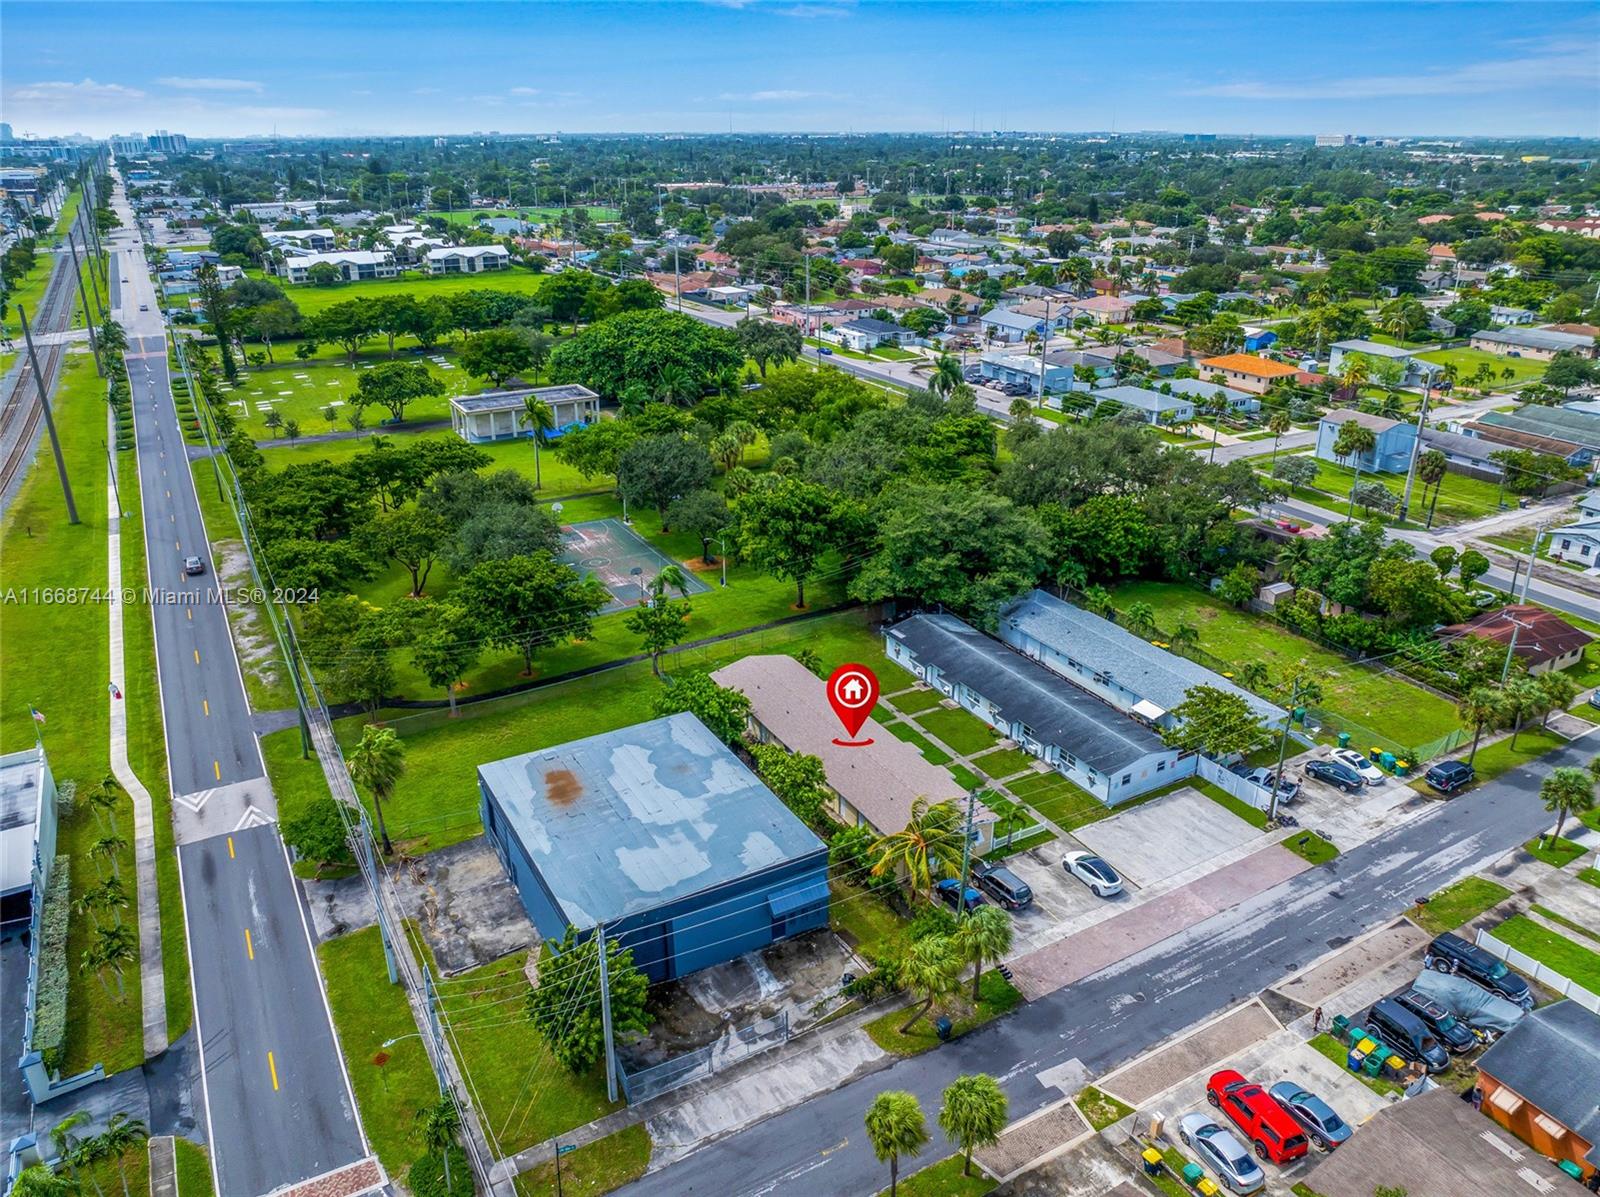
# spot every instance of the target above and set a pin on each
(425, 1178)
(50, 1002)
(932, 920)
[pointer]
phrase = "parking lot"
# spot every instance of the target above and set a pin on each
(1058, 899)
(1168, 836)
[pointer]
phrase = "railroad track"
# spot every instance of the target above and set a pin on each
(20, 416)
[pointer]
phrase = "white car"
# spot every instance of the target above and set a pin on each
(1088, 868)
(1370, 773)
(1220, 1150)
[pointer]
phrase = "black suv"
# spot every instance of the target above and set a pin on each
(1002, 885)
(1456, 1036)
(1452, 954)
(1449, 776)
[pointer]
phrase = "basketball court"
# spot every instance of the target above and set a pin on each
(625, 562)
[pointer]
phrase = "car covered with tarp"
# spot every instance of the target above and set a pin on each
(1469, 1001)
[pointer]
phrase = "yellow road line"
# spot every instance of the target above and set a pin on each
(197, 656)
(272, 1064)
(205, 705)
(249, 946)
(216, 767)
(230, 847)
(189, 611)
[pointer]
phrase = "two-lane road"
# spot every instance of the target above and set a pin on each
(279, 1109)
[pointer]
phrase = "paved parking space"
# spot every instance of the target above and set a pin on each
(1159, 839)
(1057, 898)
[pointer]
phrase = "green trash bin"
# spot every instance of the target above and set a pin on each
(1341, 1028)
(1344, 739)
(1192, 1174)
(1373, 1064)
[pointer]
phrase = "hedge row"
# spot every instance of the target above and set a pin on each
(50, 1002)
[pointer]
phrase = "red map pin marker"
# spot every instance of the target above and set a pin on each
(852, 693)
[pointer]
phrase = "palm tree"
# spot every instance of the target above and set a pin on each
(438, 1125)
(931, 969)
(109, 847)
(946, 375)
(113, 948)
(1567, 790)
(1479, 710)
(1293, 558)
(931, 837)
(1252, 675)
(973, 1113)
(1278, 423)
(895, 1127)
(39, 1181)
(671, 577)
(1186, 636)
(1556, 690)
(122, 1135)
(1522, 698)
(64, 1138)
(86, 1153)
(541, 423)
(726, 449)
(985, 934)
(104, 796)
(745, 433)
(1214, 405)
(376, 764)
(677, 385)
(1140, 616)
(1354, 372)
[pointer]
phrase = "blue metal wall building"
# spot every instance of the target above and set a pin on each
(661, 834)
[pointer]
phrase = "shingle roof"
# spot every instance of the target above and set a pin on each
(880, 781)
(1349, 415)
(1057, 711)
(1557, 422)
(1137, 665)
(624, 821)
(1551, 1059)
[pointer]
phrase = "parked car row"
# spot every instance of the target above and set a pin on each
(1278, 1126)
(988, 883)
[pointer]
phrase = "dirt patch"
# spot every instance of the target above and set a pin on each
(252, 630)
(562, 787)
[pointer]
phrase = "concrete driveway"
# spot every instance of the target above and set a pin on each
(1165, 837)
(1057, 898)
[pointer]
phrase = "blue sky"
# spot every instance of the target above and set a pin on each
(334, 67)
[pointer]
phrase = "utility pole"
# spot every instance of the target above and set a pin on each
(88, 316)
(807, 322)
(966, 853)
(1283, 751)
(49, 419)
(94, 288)
(605, 1017)
(1533, 549)
(1044, 348)
(677, 278)
(1416, 445)
(1516, 626)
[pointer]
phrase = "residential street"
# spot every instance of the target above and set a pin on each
(819, 1149)
(278, 1106)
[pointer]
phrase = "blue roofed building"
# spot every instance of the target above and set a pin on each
(662, 835)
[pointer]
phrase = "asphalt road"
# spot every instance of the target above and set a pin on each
(819, 1149)
(278, 1105)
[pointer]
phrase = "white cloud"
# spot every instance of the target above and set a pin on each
(525, 91)
(81, 95)
(1562, 64)
(186, 83)
(779, 95)
(269, 113)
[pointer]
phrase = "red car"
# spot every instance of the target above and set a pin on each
(1269, 1128)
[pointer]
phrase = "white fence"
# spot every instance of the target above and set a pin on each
(1244, 791)
(1546, 976)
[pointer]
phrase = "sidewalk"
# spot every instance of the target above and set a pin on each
(151, 979)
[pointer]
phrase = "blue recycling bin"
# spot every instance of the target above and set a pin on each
(1386, 760)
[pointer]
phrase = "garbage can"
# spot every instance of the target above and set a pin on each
(1356, 1058)
(1373, 1064)
(1153, 1163)
(1341, 1027)
(1386, 760)
(1402, 768)
(1192, 1174)
(942, 1027)
(1344, 739)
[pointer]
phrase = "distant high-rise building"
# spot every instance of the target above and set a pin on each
(5, 131)
(168, 143)
(130, 146)
(1332, 139)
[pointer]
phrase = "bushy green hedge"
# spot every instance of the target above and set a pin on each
(426, 1176)
(50, 1003)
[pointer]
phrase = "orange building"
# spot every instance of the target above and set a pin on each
(1541, 1081)
(1246, 371)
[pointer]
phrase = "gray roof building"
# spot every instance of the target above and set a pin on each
(1131, 673)
(1536, 338)
(1558, 423)
(1157, 408)
(1057, 711)
(869, 324)
(1551, 1059)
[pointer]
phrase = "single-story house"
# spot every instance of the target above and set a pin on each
(1501, 436)
(1540, 638)
(351, 265)
(1100, 749)
(1002, 324)
(1539, 344)
(1577, 543)
(467, 259)
(1541, 1081)
(1257, 339)
(865, 333)
(1112, 663)
(660, 835)
(502, 415)
(1391, 454)
(1431, 1145)
(1504, 315)
(1416, 370)
(873, 786)
(1200, 390)
(1155, 407)
(1555, 423)
(1104, 309)
(1471, 452)
(27, 833)
(1246, 371)
(1161, 361)
(1058, 313)
(965, 305)
(1022, 369)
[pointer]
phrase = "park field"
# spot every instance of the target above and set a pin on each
(1466, 361)
(1383, 703)
(1460, 498)
(311, 299)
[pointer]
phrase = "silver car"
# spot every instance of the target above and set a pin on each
(1326, 1129)
(1370, 773)
(1222, 1153)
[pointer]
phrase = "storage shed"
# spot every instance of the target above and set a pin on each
(661, 834)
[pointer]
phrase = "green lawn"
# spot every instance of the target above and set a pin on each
(1312, 847)
(1460, 498)
(542, 215)
(944, 1179)
(311, 299)
(436, 802)
(300, 391)
(1066, 805)
(194, 1169)
(1340, 1054)
(1100, 1109)
(1004, 762)
(1572, 960)
(1255, 817)
(1591, 875)
(1466, 361)
(965, 778)
(1558, 853)
(999, 997)
(915, 701)
(595, 1168)
(1590, 933)
(1459, 903)
(909, 733)
(864, 919)
(964, 732)
(1383, 703)
(1497, 758)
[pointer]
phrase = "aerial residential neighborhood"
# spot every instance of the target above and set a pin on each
(761, 599)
